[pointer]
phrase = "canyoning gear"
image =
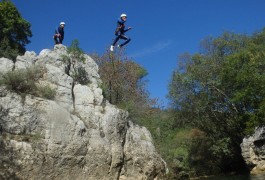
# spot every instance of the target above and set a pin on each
(123, 15)
(121, 28)
(122, 36)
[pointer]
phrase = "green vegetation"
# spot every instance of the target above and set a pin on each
(14, 31)
(220, 92)
(25, 81)
(74, 56)
(217, 95)
(45, 92)
(217, 98)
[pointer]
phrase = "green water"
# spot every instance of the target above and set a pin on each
(238, 177)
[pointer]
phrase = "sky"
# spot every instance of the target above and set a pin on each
(161, 31)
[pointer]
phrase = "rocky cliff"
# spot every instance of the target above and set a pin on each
(75, 136)
(253, 150)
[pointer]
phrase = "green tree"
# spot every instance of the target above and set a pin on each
(221, 92)
(246, 85)
(14, 31)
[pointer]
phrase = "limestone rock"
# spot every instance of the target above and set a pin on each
(5, 65)
(26, 61)
(253, 150)
(75, 136)
(138, 142)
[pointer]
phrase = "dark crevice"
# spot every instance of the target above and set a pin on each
(123, 157)
(259, 143)
(67, 69)
(73, 94)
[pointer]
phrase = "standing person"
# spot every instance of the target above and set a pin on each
(120, 32)
(59, 34)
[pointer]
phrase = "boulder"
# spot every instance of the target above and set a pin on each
(253, 150)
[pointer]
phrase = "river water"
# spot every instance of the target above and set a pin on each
(238, 177)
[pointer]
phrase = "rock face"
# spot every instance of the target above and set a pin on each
(253, 150)
(76, 136)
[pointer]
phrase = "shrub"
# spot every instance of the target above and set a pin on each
(81, 76)
(46, 92)
(21, 81)
(24, 81)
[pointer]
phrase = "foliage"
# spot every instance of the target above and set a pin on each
(6, 50)
(80, 75)
(74, 57)
(245, 70)
(25, 81)
(22, 80)
(221, 92)
(123, 83)
(46, 92)
(14, 31)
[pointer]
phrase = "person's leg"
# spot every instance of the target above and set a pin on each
(60, 40)
(125, 38)
(55, 39)
(116, 40)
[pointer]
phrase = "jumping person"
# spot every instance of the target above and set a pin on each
(120, 32)
(59, 34)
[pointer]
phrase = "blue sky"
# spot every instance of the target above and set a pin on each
(162, 29)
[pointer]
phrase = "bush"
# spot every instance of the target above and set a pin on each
(73, 59)
(81, 76)
(46, 92)
(24, 81)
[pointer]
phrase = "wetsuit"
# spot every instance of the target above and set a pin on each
(120, 33)
(59, 35)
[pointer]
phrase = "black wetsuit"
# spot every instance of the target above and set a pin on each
(59, 39)
(120, 33)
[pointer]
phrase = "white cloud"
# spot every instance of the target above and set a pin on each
(152, 49)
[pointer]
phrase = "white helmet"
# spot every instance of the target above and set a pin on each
(62, 23)
(123, 15)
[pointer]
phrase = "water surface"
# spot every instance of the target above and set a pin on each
(238, 177)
